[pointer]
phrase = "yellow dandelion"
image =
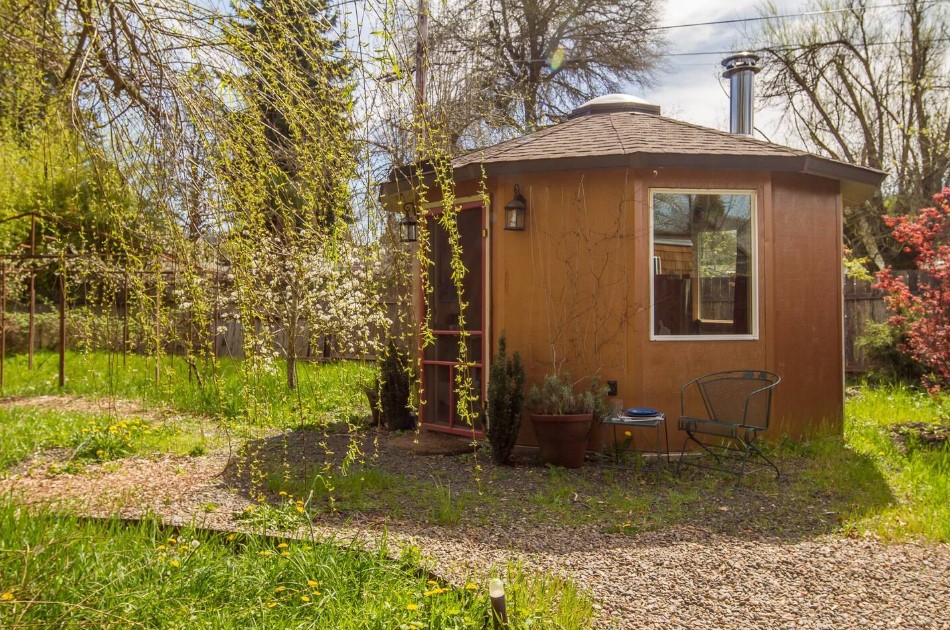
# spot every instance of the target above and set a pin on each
(284, 554)
(271, 604)
(313, 583)
(7, 596)
(316, 592)
(231, 537)
(430, 593)
(282, 546)
(282, 493)
(304, 598)
(470, 587)
(432, 582)
(175, 563)
(249, 508)
(299, 502)
(266, 552)
(412, 606)
(171, 541)
(307, 547)
(280, 589)
(627, 434)
(299, 509)
(162, 547)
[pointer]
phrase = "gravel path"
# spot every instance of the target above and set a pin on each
(681, 577)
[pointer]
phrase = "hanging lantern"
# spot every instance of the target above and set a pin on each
(409, 227)
(515, 210)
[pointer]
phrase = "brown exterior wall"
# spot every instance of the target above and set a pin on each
(572, 291)
(808, 319)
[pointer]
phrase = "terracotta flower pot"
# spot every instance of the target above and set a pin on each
(562, 439)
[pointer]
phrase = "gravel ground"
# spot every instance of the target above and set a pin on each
(686, 576)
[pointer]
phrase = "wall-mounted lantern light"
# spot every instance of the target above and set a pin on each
(515, 210)
(409, 227)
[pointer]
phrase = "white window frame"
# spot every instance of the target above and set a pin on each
(754, 267)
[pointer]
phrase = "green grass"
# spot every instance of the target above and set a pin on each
(58, 571)
(918, 478)
(327, 392)
(94, 437)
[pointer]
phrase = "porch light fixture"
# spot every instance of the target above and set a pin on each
(514, 211)
(409, 227)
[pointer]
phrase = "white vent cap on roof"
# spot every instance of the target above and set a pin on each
(610, 103)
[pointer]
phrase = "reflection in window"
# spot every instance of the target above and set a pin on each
(702, 264)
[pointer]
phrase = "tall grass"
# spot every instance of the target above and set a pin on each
(918, 476)
(58, 571)
(327, 392)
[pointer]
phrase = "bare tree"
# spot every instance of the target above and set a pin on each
(868, 88)
(502, 67)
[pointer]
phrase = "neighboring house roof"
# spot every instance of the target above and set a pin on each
(608, 138)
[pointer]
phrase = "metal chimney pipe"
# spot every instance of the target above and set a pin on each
(740, 70)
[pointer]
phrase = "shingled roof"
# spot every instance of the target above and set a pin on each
(610, 137)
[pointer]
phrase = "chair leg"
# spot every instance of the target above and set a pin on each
(753, 449)
(679, 462)
(706, 448)
(691, 437)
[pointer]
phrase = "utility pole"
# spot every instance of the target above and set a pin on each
(31, 324)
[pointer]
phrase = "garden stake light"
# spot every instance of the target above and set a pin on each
(496, 591)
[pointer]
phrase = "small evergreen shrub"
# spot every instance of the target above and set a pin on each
(394, 389)
(505, 401)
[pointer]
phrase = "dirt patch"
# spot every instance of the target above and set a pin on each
(928, 435)
(82, 404)
(429, 443)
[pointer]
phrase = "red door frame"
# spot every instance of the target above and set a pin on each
(423, 309)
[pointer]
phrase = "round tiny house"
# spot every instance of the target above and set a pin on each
(646, 251)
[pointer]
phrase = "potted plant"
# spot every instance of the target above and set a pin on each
(562, 417)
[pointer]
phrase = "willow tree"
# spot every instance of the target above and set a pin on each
(868, 85)
(296, 86)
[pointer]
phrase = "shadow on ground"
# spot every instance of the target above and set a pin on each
(384, 478)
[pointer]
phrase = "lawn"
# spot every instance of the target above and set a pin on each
(227, 389)
(59, 571)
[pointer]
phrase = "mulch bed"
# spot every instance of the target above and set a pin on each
(921, 434)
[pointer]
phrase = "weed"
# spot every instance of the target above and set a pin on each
(446, 509)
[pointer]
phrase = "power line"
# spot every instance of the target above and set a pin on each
(774, 17)
(793, 47)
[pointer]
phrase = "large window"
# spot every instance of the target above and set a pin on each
(703, 264)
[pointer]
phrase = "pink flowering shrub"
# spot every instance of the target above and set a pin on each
(924, 318)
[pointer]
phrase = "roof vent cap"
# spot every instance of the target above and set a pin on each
(610, 103)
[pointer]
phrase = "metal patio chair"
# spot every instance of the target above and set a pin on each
(738, 405)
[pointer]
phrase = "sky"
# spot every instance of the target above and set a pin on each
(692, 88)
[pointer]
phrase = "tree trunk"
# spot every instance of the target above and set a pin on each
(292, 370)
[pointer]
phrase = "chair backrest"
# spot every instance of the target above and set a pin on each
(739, 396)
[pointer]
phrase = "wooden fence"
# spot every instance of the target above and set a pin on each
(863, 304)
